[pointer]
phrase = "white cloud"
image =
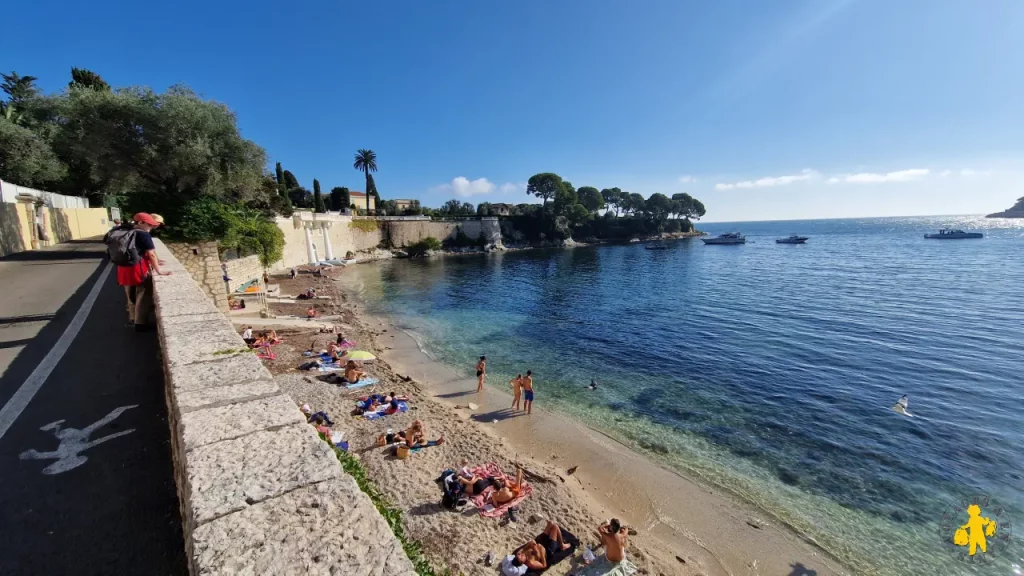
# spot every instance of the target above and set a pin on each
(464, 187)
(832, 180)
(945, 173)
(967, 172)
(898, 176)
(770, 181)
(687, 179)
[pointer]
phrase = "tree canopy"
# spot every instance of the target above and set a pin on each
(340, 199)
(87, 79)
(590, 198)
(544, 186)
(318, 198)
(366, 160)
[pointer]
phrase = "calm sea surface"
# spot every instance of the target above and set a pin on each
(770, 369)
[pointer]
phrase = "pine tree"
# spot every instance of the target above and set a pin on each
(318, 199)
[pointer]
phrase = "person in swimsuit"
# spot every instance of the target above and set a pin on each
(474, 486)
(613, 537)
(353, 374)
(528, 392)
(481, 373)
(415, 436)
(507, 492)
(517, 390)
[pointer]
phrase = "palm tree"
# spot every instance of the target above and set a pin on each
(366, 160)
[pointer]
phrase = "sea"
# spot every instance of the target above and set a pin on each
(771, 370)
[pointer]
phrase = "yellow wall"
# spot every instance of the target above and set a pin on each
(61, 224)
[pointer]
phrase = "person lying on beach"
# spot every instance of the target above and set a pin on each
(475, 485)
(311, 312)
(353, 373)
(534, 555)
(260, 341)
(517, 390)
(506, 492)
(613, 538)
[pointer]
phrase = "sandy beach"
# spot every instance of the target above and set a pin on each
(681, 526)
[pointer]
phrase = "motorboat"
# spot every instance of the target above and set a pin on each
(793, 239)
(950, 234)
(730, 238)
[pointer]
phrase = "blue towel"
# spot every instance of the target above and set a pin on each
(402, 407)
(361, 383)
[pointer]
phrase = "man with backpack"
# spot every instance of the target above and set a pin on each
(131, 249)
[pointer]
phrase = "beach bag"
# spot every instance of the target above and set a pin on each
(452, 490)
(401, 452)
(121, 247)
(960, 537)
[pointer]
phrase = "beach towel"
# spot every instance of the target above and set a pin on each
(381, 411)
(604, 567)
(492, 470)
(360, 384)
(559, 555)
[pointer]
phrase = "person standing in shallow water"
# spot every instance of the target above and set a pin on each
(481, 373)
(528, 392)
(517, 390)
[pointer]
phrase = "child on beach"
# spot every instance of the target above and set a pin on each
(517, 390)
(528, 392)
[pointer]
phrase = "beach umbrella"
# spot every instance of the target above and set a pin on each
(358, 355)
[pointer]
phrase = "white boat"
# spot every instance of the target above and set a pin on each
(950, 234)
(793, 239)
(730, 238)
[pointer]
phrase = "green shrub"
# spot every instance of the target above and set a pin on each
(363, 225)
(420, 248)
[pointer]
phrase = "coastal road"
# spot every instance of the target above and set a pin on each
(86, 482)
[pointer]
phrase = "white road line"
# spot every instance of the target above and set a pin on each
(34, 382)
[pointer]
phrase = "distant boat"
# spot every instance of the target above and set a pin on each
(793, 239)
(949, 234)
(730, 238)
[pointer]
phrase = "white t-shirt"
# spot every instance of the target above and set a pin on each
(509, 569)
(247, 335)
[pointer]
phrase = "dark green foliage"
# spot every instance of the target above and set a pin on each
(290, 181)
(366, 160)
(26, 158)
(460, 240)
(282, 205)
(19, 88)
(87, 79)
(339, 198)
(201, 219)
(318, 199)
(544, 186)
(420, 248)
(590, 198)
(300, 197)
(279, 175)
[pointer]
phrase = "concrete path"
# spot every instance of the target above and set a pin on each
(86, 483)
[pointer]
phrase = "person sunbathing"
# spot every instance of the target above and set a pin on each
(534, 554)
(507, 491)
(311, 312)
(352, 373)
(613, 538)
(475, 485)
(260, 341)
(416, 436)
(272, 337)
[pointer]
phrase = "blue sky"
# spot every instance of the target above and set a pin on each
(768, 109)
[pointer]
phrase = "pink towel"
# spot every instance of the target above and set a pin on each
(492, 470)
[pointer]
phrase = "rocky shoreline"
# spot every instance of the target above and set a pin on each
(1015, 211)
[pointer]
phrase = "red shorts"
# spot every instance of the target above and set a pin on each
(133, 275)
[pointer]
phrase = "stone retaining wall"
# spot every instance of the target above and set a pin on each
(260, 493)
(241, 271)
(202, 262)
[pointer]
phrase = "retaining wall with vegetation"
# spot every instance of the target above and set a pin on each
(241, 271)
(260, 492)
(202, 262)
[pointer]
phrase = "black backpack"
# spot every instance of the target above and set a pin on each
(451, 497)
(121, 246)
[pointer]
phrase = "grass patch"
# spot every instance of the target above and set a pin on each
(364, 225)
(227, 351)
(354, 468)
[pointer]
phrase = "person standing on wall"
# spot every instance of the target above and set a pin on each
(136, 277)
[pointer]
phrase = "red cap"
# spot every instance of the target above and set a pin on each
(145, 219)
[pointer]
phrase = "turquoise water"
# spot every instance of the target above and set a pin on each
(769, 369)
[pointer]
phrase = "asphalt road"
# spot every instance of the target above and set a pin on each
(101, 499)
